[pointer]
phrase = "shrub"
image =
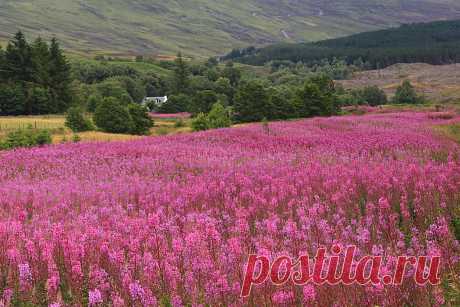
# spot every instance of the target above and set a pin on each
(43, 137)
(26, 138)
(76, 120)
(76, 138)
(349, 99)
(112, 117)
(162, 131)
(374, 96)
(219, 117)
(406, 93)
(20, 138)
(141, 121)
(200, 123)
(179, 123)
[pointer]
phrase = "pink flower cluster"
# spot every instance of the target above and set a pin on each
(172, 220)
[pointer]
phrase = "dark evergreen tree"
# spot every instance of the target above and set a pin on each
(252, 102)
(181, 76)
(41, 60)
(176, 104)
(134, 87)
(224, 86)
(154, 85)
(60, 79)
(2, 65)
(38, 100)
(12, 99)
(283, 103)
(310, 100)
(434, 43)
(232, 73)
(41, 71)
(203, 101)
(93, 102)
(19, 65)
(317, 98)
(212, 62)
(142, 122)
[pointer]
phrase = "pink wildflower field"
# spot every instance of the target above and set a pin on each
(171, 221)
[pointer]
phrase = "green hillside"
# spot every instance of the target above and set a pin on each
(433, 43)
(205, 27)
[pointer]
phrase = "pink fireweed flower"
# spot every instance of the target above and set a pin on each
(95, 297)
(136, 291)
(25, 274)
(7, 296)
(178, 216)
(309, 293)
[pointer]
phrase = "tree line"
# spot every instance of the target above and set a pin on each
(34, 78)
(249, 98)
(433, 43)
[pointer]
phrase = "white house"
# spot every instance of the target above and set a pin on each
(158, 101)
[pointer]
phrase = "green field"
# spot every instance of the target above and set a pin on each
(205, 27)
(452, 131)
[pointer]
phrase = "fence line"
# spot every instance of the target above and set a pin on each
(34, 124)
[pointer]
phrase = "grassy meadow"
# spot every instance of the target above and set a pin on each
(61, 134)
(451, 131)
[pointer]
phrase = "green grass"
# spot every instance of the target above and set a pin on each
(203, 27)
(452, 131)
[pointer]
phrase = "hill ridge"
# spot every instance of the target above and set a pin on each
(204, 27)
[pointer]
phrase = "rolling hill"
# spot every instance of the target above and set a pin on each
(206, 27)
(439, 84)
